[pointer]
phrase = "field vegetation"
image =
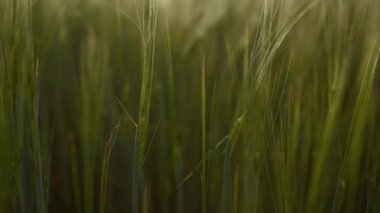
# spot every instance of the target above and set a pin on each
(189, 106)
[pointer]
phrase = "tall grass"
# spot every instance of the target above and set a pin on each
(189, 106)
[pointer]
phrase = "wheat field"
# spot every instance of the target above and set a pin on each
(189, 106)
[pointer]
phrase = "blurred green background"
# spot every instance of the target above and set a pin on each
(189, 106)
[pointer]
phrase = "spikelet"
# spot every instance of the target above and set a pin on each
(235, 131)
(142, 140)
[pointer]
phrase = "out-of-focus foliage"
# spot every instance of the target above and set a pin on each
(189, 106)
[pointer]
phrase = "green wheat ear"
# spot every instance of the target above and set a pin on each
(142, 137)
(235, 131)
